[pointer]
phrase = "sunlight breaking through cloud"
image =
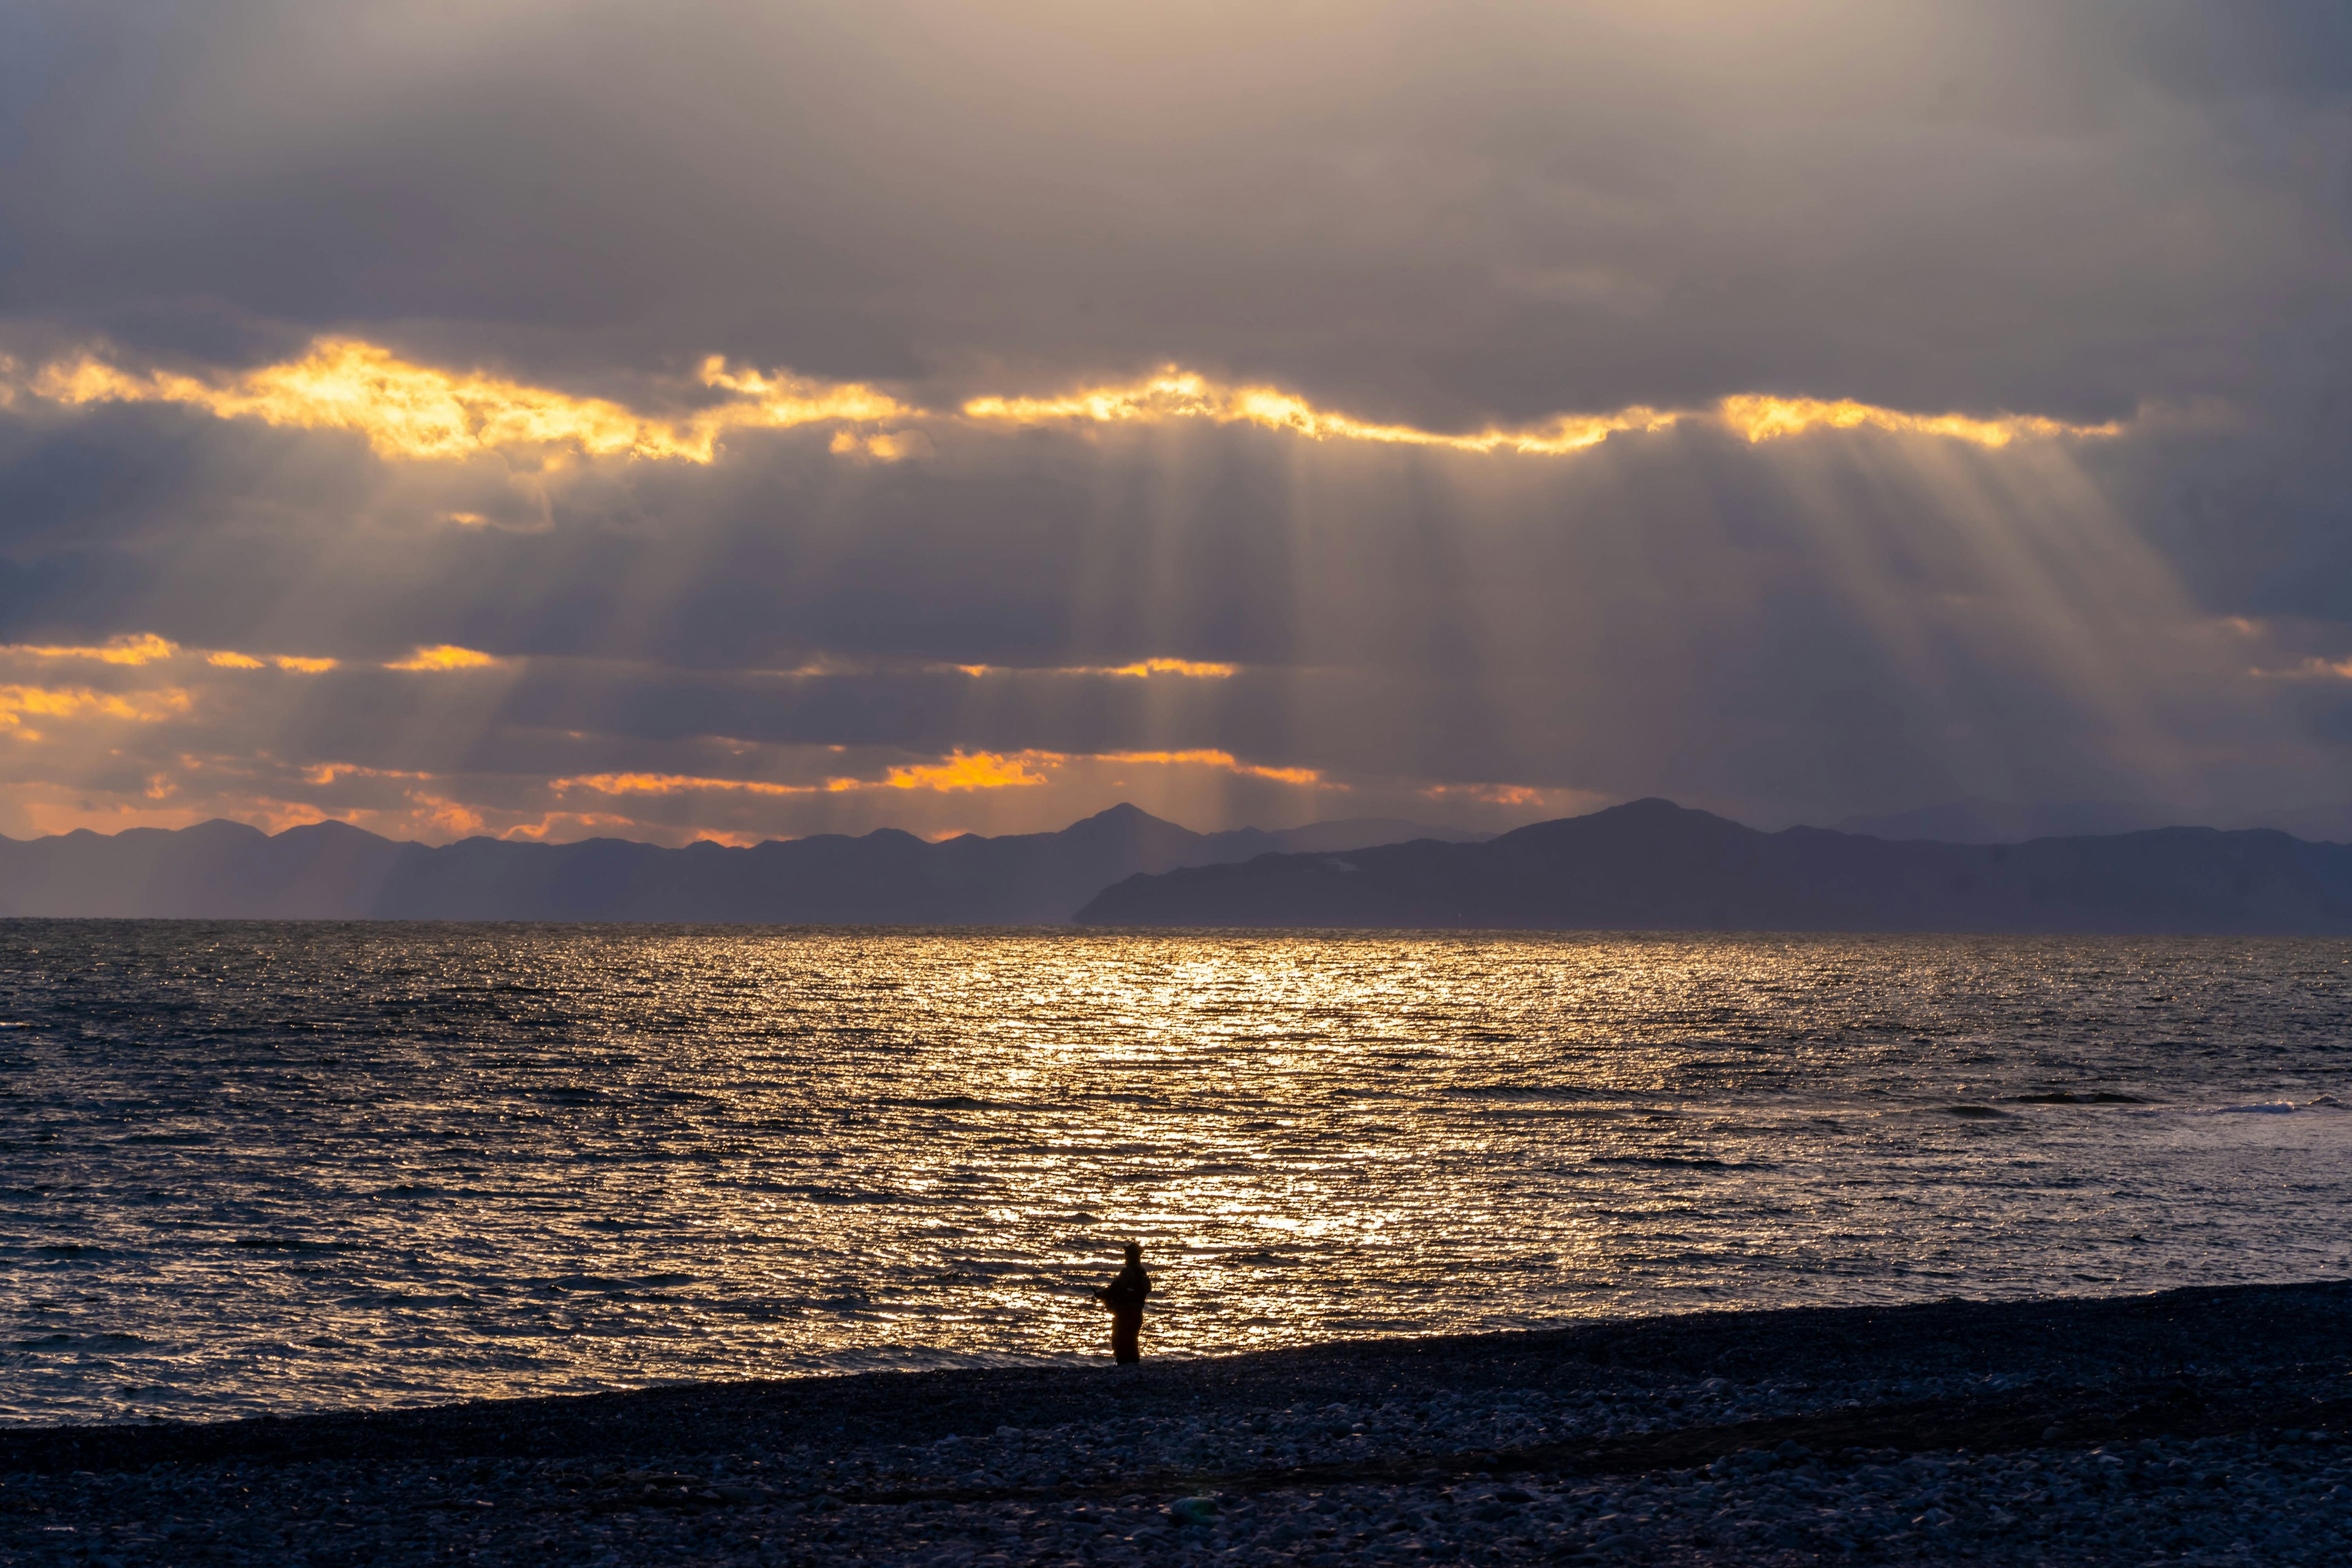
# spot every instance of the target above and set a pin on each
(145, 648)
(19, 703)
(444, 657)
(955, 772)
(408, 410)
(229, 659)
(412, 411)
(1176, 393)
(1760, 418)
(1141, 670)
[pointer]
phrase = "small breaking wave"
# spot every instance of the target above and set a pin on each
(1524, 1092)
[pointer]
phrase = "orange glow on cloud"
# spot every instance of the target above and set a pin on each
(145, 648)
(537, 832)
(958, 771)
(408, 410)
(1762, 418)
(1178, 394)
(670, 783)
(325, 773)
(1189, 669)
(1489, 793)
(962, 771)
(19, 702)
(448, 815)
(413, 411)
(1224, 761)
(444, 657)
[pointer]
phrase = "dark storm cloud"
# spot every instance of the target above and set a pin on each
(1448, 211)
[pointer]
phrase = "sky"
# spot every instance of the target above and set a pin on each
(553, 419)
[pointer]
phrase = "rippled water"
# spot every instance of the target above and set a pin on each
(283, 1166)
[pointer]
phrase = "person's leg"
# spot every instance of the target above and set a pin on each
(1124, 1328)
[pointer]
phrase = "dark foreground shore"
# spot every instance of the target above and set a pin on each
(2199, 1426)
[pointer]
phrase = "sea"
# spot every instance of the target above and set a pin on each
(275, 1167)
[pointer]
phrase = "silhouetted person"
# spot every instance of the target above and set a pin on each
(1124, 1296)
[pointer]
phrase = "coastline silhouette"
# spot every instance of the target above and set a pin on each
(1124, 1296)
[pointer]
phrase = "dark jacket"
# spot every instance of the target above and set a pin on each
(1126, 1291)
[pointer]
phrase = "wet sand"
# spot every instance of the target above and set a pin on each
(2198, 1426)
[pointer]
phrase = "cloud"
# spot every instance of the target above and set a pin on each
(671, 783)
(19, 703)
(1771, 419)
(418, 412)
(1177, 393)
(414, 411)
(1136, 670)
(444, 657)
(1473, 410)
(135, 649)
(958, 771)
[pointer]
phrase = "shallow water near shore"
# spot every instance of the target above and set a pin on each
(286, 1166)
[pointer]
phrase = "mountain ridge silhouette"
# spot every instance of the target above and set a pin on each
(331, 870)
(1651, 865)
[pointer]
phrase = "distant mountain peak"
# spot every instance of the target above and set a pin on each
(1651, 865)
(331, 869)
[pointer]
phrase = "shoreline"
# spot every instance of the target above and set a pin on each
(1730, 1436)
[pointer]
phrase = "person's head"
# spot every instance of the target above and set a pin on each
(1135, 1252)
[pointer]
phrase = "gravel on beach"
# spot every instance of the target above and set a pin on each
(2208, 1425)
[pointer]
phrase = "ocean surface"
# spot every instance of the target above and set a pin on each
(250, 1167)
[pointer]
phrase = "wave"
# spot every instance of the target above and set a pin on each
(1525, 1091)
(2273, 1107)
(1680, 1162)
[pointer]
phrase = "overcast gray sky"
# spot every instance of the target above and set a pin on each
(745, 420)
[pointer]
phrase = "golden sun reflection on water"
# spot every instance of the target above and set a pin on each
(310, 1165)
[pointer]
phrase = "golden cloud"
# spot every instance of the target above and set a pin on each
(446, 656)
(962, 771)
(1189, 669)
(1760, 418)
(408, 410)
(18, 702)
(145, 648)
(414, 411)
(1224, 761)
(671, 783)
(1178, 394)
(956, 772)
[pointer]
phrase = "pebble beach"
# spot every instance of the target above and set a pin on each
(2209, 1426)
